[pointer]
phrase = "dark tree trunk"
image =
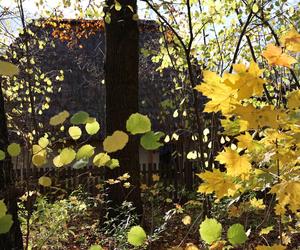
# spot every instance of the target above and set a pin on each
(12, 239)
(121, 79)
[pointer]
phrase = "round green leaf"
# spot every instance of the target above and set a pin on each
(45, 181)
(5, 223)
(150, 140)
(113, 163)
(8, 69)
(14, 149)
(210, 230)
(236, 234)
(136, 236)
(138, 124)
(92, 128)
(80, 117)
(2, 155)
(95, 247)
(86, 151)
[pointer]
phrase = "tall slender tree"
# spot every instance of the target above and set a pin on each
(121, 79)
(12, 239)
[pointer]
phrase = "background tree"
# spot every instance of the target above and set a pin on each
(121, 80)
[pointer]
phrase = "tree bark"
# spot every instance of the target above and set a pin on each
(13, 239)
(121, 80)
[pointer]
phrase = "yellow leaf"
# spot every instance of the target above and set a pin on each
(186, 220)
(59, 118)
(266, 230)
(259, 204)
(236, 164)
(287, 195)
(275, 56)
(245, 141)
(222, 96)
(45, 181)
(217, 182)
(66, 156)
(101, 159)
(273, 247)
(291, 40)
(191, 246)
(57, 161)
(43, 142)
(39, 159)
(8, 69)
(294, 99)
(86, 151)
(92, 128)
(115, 142)
(75, 132)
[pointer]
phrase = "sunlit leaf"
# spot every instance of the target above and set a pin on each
(138, 124)
(236, 234)
(210, 230)
(115, 142)
(86, 151)
(8, 69)
(92, 128)
(14, 149)
(75, 132)
(45, 181)
(136, 236)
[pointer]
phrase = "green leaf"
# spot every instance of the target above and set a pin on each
(5, 223)
(8, 69)
(45, 181)
(210, 230)
(14, 149)
(3, 208)
(2, 155)
(92, 128)
(136, 236)
(86, 151)
(255, 8)
(80, 117)
(150, 140)
(236, 234)
(80, 164)
(138, 124)
(113, 163)
(95, 247)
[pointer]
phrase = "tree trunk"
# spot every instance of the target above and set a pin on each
(13, 239)
(121, 79)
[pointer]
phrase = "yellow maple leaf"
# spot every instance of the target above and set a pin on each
(291, 40)
(236, 165)
(222, 96)
(217, 182)
(273, 247)
(287, 195)
(245, 141)
(275, 56)
(259, 118)
(248, 80)
(294, 99)
(257, 203)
